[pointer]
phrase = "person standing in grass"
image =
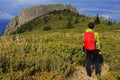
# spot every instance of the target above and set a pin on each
(91, 47)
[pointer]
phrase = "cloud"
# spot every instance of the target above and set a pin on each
(111, 16)
(18, 3)
(30, 1)
(106, 16)
(5, 16)
(98, 9)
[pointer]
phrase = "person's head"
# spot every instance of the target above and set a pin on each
(91, 25)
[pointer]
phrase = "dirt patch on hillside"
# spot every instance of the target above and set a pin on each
(81, 73)
(117, 30)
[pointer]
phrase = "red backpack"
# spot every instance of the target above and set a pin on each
(89, 41)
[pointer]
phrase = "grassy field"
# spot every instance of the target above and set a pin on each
(40, 53)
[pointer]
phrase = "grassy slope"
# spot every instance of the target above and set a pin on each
(56, 53)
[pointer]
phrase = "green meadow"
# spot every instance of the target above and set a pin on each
(49, 48)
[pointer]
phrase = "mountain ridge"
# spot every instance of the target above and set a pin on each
(29, 14)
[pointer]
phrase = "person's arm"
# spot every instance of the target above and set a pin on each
(97, 39)
(83, 51)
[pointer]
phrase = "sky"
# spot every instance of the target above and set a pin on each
(105, 8)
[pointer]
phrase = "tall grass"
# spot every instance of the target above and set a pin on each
(54, 54)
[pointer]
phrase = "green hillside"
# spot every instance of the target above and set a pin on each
(49, 48)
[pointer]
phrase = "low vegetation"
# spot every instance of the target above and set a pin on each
(47, 50)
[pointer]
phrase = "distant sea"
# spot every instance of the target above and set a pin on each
(3, 24)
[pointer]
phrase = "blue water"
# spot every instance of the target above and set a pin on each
(3, 24)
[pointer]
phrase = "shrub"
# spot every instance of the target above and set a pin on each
(45, 20)
(69, 24)
(76, 20)
(109, 22)
(97, 19)
(46, 28)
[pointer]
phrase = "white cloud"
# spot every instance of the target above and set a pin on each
(16, 3)
(6, 16)
(32, 1)
(21, 3)
(106, 16)
(98, 9)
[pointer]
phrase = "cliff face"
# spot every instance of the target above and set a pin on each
(12, 26)
(29, 14)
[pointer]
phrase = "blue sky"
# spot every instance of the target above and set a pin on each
(105, 8)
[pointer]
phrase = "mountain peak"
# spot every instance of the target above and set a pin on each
(29, 14)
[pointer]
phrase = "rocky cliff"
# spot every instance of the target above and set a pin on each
(29, 14)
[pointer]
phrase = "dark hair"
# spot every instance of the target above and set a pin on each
(91, 25)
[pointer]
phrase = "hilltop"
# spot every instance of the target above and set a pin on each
(29, 14)
(49, 47)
